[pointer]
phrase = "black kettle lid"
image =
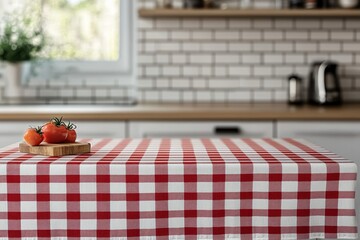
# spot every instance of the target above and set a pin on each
(294, 76)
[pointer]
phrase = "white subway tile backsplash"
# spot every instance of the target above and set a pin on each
(307, 23)
(273, 83)
(280, 96)
(240, 23)
(330, 46)
(294, 58)
(221, 71)
(273, 35)
(219, 96)
(214, 23)
(263, 24)
(251, 35)
(199, 83)
(167, 23)
(244, 59)
(207, 71)
(240, 47)
(262, 96)
(163, 83)
(227, 58)
(151, 96)
(342, 35)
(281, 71)
(306, 47)
(162, 58)
(224, 83)
(180, 35)
(182, 83)
(188, 97)
(168, 46)
(144, 83)
(171, 71)
(317, 57)
(281, 23)
(332, 24)
(227, 35)
(239, 96)
(352, 23)
(152, 71)
(190, 71)
(319, 35)
(202, 35)
(146, 24)
(275, 58)
(250, 83)
(191, 23)
(191, 47)
(342, 58)
(145, 59)
(283, 47)
(178, 58)
(262, 71)
(201, 58)
(262, 47)
(296, 35)
(239, 71)
(251, 58)
(351, 47)
(203, 96)
(157, 35)
(214, 47)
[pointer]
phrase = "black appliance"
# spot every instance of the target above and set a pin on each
(324, 85)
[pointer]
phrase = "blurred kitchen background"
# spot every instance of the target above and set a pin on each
(182, 59)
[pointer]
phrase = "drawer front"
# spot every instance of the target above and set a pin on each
(158, 129)
(12, 132)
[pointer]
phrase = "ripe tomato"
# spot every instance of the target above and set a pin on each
(33, 136)
(55, 131)
(71, 137)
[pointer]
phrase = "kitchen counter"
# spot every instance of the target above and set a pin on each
(183, 112)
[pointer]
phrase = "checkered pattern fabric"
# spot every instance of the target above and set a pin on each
(179, 188)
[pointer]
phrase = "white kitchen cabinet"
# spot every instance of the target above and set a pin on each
(178, 129)
(342, 138)
(12, 132)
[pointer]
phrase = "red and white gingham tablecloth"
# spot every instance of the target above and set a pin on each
(179, 188)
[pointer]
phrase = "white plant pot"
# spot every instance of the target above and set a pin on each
(14, 75)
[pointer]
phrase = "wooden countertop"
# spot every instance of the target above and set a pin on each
(183, 112)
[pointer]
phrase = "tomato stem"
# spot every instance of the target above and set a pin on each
(71, 126)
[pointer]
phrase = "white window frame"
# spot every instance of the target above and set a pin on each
(123, 68)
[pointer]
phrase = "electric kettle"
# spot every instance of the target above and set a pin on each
(324, 85)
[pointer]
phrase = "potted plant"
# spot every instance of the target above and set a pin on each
(19, 44)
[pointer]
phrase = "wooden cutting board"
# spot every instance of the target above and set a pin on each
(61, 149)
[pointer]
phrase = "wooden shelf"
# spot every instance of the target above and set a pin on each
(240, 13)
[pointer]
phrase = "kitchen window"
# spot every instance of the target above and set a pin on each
(85, 36)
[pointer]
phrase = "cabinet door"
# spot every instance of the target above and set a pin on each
(12, 132)
(342, 138)
(141, 129)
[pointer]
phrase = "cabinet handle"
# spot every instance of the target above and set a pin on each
(224, 130)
